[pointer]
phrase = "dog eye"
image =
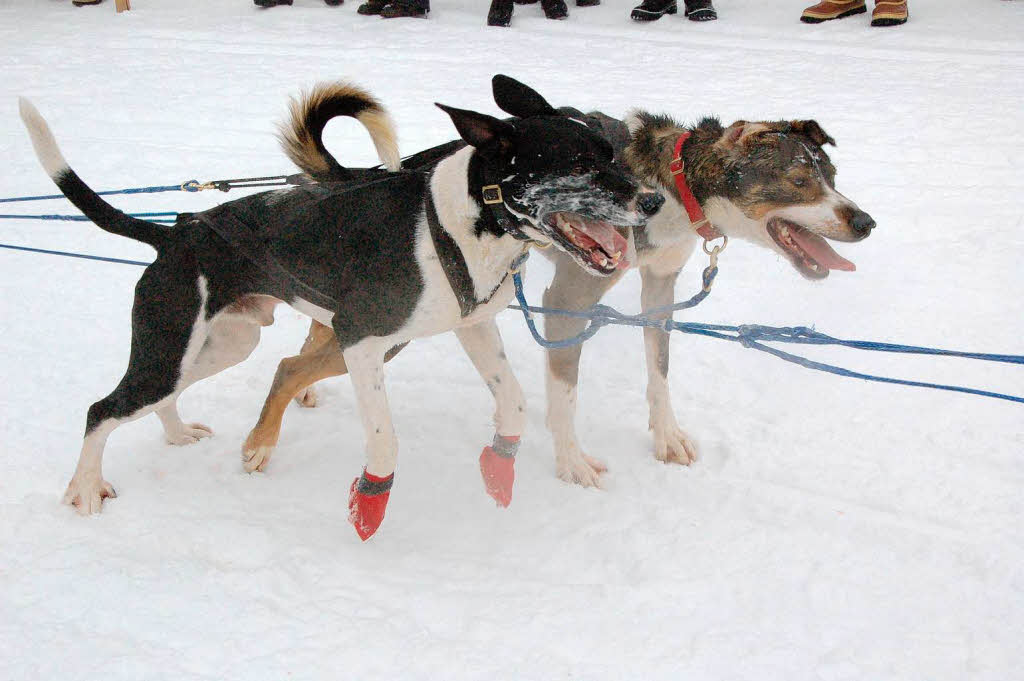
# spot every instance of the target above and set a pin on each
(799, 181)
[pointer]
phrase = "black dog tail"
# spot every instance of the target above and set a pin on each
(301, 135)
(78, 192)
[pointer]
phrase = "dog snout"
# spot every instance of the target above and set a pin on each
(648, 203)
(862, 223)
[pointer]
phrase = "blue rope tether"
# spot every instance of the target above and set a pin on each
(750, 336)
(186, 186)
(165, 217)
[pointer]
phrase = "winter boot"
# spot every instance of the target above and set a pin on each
(271, 3)
(83, 3)
(554, 9)
(526, 2)
(402, 8)
(827, 10)
(500, 13)
(333, 3)
(889, 13)
(651, 10)
(700, 10)
(587, 3)
(371, 7)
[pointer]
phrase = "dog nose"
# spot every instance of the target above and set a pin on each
(650, 202)
(862, 223)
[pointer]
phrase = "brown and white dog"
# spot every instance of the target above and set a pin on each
(771, 183)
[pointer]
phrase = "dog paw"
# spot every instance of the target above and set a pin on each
(307, 397)
(673, 445)
(255, 457)
(87, 494)
(580, 469)
(188, 434)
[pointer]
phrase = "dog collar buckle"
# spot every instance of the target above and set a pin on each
(492, 194)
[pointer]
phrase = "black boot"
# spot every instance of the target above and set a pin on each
(554, 9)
(397, 9)
(651, 10)
(587, 3)
(271, 3)
(500, 13)
(371, 7)
(700, 10)
(333, 3)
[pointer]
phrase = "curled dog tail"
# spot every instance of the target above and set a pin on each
(78, 192)
(301, 135)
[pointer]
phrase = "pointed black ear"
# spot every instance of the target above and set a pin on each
(489, 135)
(513, 97)
(814, 131)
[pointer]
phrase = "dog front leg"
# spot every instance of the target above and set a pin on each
(671, 443)
(571, 289)
(482, 342)
(369, 494)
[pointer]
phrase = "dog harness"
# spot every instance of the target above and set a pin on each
(699, 221)
(454, 263)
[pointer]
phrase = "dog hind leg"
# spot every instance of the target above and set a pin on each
(166, 338)
(482, 342)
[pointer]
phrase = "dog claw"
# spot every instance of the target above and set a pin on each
(582, 470)
(367, 501)
(188, 434)
(87, 497)
(307, 397)
(672, 445)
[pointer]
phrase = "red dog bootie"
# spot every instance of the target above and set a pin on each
(497, 466)
(367, 500)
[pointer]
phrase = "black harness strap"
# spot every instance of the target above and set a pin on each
(243, 239)
(454, 263)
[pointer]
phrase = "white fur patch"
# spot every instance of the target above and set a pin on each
(42, 140)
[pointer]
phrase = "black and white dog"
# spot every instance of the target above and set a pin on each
(382, 262)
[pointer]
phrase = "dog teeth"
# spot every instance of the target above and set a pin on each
(618, 254)
(784, 231)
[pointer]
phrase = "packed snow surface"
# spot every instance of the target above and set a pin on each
(831, 529)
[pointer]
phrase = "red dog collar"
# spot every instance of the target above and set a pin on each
(693, 209)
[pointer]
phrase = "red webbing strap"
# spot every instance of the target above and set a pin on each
(693, 209)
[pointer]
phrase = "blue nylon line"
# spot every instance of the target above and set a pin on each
(839, 371)
(75, 255)
(748, 336)
(152, 217)
(134, 190)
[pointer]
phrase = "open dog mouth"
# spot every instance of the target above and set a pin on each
(810, 254)
(596, 244)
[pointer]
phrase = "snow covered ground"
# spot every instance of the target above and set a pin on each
(832, 529)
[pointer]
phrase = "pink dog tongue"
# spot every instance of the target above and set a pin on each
(604, 234)
(818, 248)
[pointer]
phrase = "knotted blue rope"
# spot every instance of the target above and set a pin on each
(750, 336)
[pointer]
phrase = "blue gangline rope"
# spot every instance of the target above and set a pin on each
(190, 186)
(164, 217)
(750, 335)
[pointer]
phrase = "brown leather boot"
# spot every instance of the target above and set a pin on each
(832, 9)
(889, 13)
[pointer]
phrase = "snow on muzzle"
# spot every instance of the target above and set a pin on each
(588, 222)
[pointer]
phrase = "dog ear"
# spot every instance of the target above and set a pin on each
(814, 131)
(489, 135)
(517, 99)
(739, 132)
